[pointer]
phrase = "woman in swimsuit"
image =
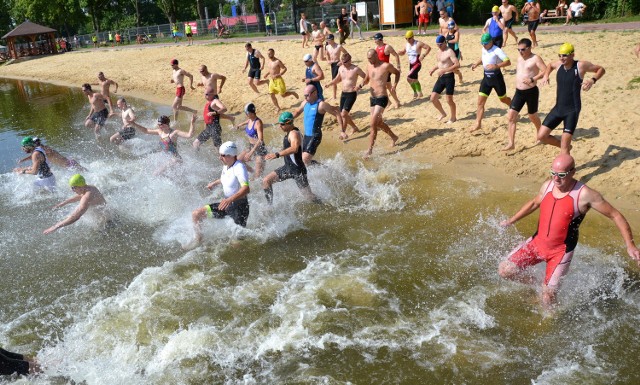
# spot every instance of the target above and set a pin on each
(254, 130)
(54, 156)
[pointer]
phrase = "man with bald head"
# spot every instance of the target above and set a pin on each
(563, 202)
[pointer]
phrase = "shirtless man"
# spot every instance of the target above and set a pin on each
(447, 64)
(378, 73)
(88, 196)
(385, 51)
(325, 29)
(508, 11)
(255, 62)
(334, 52)
(423, 11)
(443, 21)
(318, 42)
(128, 131)
(569, 82)
(532, 9)
(210, 80)
(348, 76)
(105, 85)
(276, 82)
(177, 77)
(98, 113)
(529, 70)
(413, 49)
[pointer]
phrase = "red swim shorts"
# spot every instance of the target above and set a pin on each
(180, 91)
(423, 18)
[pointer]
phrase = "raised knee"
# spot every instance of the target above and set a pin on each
(507, 269)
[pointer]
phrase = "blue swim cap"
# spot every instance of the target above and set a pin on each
(440, 39)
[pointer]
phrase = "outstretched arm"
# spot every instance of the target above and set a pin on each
(74, 198)
(74, 216)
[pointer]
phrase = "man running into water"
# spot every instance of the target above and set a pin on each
(276, 81)
(105, 85)
(413, 49)
(314, 111)
(509, 14)
(52, 155)
(210, 80)
(177, 77)
(423, 11)
(294, 167)
(493, 58)
(98, 113)
(334, 52)
(348, 76)
(563, 202)
(378, 73)
(255, 62)
(235, 187)
(128, 131)
(384, 52)
(39, 165)
(529, 70)
(211, 114)
(313, 74)
(570, 80)
(532, 9)
(447, 64)
(89, 197)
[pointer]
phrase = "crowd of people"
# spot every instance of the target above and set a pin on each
(563, 201)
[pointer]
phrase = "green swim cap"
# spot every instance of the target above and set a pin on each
(28, 141)
(77, 181)
(485, 38)
(286, 117)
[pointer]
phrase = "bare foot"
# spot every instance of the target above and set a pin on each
(452, 120)
(111, 114)
(508, 147)
(441, 117)
(415, 96)
(394, 140)
(343, 136)
(367, 154)
(420, 95)
(475, 128)
(354, 130)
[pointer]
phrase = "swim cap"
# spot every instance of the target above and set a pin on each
(452, 24)
(440, 39)
(566, 49)
(378, 36)
(250, 108)
(285, 117)
(77, 181)
(495, 9)
(330, 37)
(174, 62)
(164, 119)
(307, 57)
(408, 35)
(485, 38)
(228, 148)
(28, 141)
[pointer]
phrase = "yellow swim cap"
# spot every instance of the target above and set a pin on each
(77, 181)
(566, 49)
(408, 35)
(495, 9)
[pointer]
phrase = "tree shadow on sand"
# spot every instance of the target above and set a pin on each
(613, 157)
(420, 137)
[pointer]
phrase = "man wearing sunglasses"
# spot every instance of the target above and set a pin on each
(570, 81)
(563, 202)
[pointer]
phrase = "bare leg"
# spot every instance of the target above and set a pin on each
(452, 107)
(435, 100)
(275, 101)
(111, 113)
(374, 130)
(479, 113)
(252, 85)
(565, 143)
(506, 100)
(346, 117)
(307, 158)
(535, 119)
(290, 93)
(197, 216)
(459, 73)
(116, 139)
(512, 117)
(393, 95)
(259, 166)
(509, 270)
(544, 136)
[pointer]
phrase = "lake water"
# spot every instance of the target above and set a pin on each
(391, 281)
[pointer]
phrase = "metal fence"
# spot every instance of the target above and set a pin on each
(285, 21)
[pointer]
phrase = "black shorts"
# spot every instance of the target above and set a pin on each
(299, 174)
(254, 73)
(318, 47)
(189, 34)
(497, 41)
(414, 69)
(310, 143)
(493, 82)
(382, 101)
(530, 97)
(509, 23)
(533, 25)
(100, 117)
(238, 210)
(334, 70)
(212, 130)
(570, 119)
(303, 33)
(445, 82)
(127, 133)
(347, 99)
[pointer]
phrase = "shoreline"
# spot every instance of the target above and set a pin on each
(606, 148)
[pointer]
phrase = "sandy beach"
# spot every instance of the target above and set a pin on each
(606, 143)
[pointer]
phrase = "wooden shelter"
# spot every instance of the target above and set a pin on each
(36, 40)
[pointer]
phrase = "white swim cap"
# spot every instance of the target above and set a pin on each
(228, 148)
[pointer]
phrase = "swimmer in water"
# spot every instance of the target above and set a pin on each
(54, 156)
(39, 165)
(254, 128)
(88, 197)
